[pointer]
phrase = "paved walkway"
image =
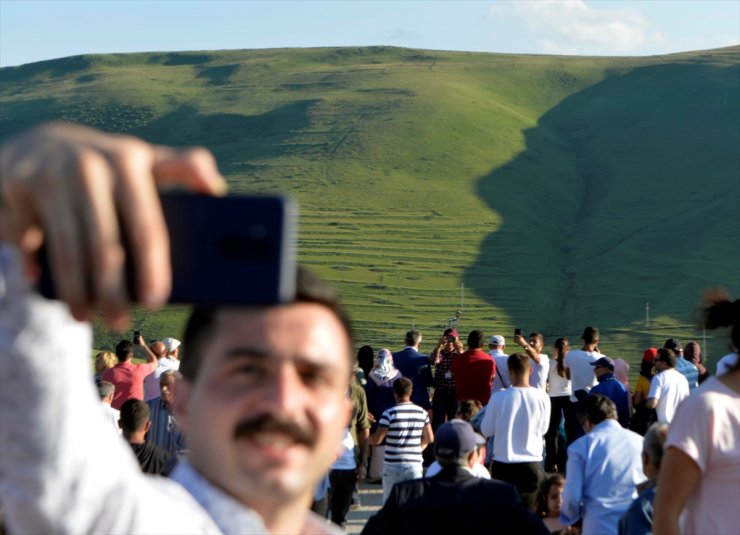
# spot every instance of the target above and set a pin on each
(371, 498)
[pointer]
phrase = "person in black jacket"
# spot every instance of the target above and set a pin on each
(134, 424)
(454, 500)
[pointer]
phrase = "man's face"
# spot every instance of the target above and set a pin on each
(267, 412)
(167, 388)
(601, 370)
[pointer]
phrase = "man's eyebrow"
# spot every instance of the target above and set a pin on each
(247, 351)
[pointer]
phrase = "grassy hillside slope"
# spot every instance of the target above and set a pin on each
(532, 191)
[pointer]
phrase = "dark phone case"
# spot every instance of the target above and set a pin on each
(225, 250)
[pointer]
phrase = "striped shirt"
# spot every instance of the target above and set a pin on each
(405, 423)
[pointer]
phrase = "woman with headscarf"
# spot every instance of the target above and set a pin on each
(379, 390)
(692, 353)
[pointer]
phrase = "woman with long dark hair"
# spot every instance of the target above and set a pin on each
(561, 408)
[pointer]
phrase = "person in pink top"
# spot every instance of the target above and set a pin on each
(128, 377)
(698, 487)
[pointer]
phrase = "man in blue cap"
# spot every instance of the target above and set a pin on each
(610, 387)
(454, 499)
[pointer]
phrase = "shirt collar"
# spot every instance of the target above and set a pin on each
(228, 514)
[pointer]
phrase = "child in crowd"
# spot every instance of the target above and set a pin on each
(548, 502)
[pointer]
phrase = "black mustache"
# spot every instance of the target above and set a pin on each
(272, 424)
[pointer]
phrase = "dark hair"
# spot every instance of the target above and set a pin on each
(134, 415)
(476, 339)
(539, 337)
(124, 350)
(561, 348)
(590, 335)
(518, 363)
(646, 369)
(718, 311)
(365, 358)
(667, 356)
(550, 480)
(412, 337)
(596, 408)
(309, 289)
(402, 387)
(468, 408)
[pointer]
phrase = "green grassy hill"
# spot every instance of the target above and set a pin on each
(542, 192)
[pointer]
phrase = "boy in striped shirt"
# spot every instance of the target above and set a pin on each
(407, 431)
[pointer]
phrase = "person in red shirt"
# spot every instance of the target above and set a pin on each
(128, 377)
(474, 370)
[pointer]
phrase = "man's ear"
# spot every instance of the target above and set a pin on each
(147, 426)
(181, 396)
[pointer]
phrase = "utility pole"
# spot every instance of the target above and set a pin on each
(462, 296)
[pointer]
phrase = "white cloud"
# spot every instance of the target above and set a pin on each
(575, 26)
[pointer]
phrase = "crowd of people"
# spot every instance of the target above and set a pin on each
(567, 425)
(264, 416)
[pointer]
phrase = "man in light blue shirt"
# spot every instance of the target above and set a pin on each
(604, 467)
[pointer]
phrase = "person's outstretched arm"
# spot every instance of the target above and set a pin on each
(61, 469)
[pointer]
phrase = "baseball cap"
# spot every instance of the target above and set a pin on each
(674, 344)
(649, 354)
(497, 340)
(456, 438)
(171, 344)
(450, 332)
(606, 362)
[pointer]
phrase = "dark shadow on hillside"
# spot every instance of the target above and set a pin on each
(55, 68)
(232, 137)
(627, 193)
(219, 75)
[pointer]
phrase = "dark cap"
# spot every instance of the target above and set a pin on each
(456, 438)
(605, 362)
(674, 344)
(450, 332)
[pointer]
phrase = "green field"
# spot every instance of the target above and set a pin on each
(541, 192)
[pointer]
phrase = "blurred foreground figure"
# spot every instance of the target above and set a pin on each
(700, 477)
(264, 391)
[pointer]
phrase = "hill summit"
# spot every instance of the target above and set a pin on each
(542, 192)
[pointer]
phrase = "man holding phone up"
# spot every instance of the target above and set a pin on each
(263, 395)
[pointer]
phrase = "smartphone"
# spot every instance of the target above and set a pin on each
(517, 332)
(232, 250)
(137, 337)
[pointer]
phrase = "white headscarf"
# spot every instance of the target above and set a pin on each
(383, 369)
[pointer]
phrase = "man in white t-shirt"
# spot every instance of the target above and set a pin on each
(577, 363)
(518, 419)
(540, 361)
(668, 388)
(496, 346)
(106, 390)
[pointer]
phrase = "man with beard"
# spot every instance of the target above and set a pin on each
(264, 391)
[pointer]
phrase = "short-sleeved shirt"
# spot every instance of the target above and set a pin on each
(540, 370)
(405, 423)
(581, 372)
(670, 388)
(474, 371)
(707, 429)
(688, 370)
(128, 378)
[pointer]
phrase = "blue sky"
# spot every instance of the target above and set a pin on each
(35, 30)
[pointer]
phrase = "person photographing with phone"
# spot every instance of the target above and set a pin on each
(263, 396)
(127, 377)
